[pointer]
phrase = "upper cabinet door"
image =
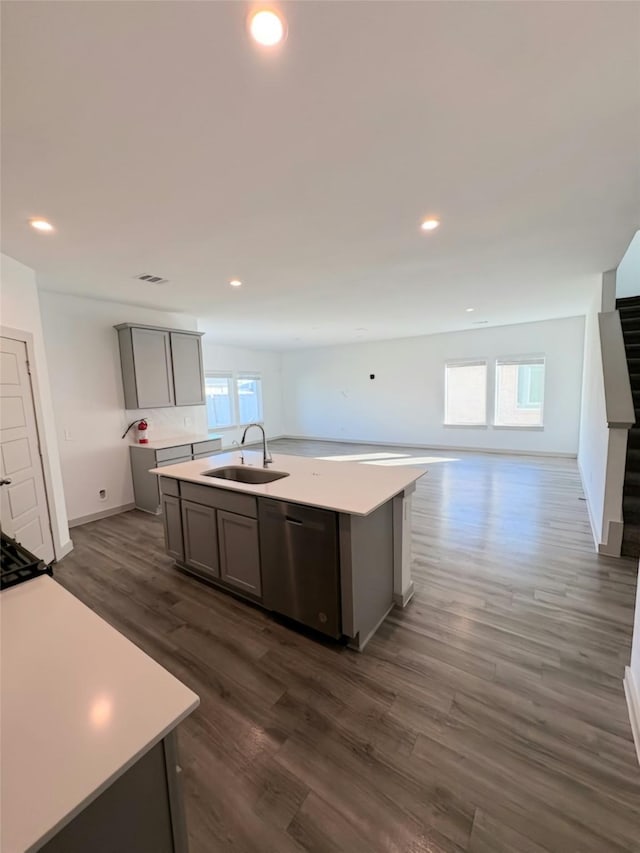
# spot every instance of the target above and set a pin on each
(152, 365)
(188, 375)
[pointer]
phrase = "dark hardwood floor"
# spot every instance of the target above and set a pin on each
(488, 716)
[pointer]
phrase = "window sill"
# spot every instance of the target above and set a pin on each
(520, 428)
(465, 426)
(222, 428)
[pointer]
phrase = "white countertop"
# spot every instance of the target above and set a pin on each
(80, 704)
(348, 487)
(177, 441)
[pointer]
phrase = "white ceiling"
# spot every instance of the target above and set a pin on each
(157, 139)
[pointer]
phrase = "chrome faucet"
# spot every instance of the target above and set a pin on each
(266, 456)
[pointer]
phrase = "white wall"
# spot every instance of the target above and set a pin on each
(628, 272)
(632, 676)
(86, 381)
(20, 310)
(328, 393)
(594, 432)
(606, 413)
(220, 358)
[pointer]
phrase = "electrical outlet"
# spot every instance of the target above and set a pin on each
(187, 422)
(67, 434)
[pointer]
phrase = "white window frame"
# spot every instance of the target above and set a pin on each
(234, 377)
(467, 362)
(225, 374)
(238, 378)
(532, 358)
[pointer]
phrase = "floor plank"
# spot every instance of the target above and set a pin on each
(488, 716)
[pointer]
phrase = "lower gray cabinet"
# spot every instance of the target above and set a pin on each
(142, 811)
(200, 538)
(174, 542)
(239, 552)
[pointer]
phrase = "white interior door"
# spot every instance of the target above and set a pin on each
(24, 513)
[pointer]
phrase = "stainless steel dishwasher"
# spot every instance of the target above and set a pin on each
(300, 568)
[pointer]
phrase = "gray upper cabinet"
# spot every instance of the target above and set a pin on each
(160, 367)
(188, 375)
(153, 375)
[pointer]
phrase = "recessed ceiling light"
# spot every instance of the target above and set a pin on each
(429, 224)
(469, 310)
(235, 282)
(41, 225)
(267, 27)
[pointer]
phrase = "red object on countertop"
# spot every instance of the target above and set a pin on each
(143, 436)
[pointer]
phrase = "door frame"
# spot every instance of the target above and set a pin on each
(60, 549)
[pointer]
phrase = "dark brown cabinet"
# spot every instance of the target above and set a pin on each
(239, 552)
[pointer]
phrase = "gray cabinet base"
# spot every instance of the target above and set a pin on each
(141, 811)
(365, 544)
(218, 583)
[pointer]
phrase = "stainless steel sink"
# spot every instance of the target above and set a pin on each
(245, 475)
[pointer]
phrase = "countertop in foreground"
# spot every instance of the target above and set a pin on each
(80, 705)
(348, 487)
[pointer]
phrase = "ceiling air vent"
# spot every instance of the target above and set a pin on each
(151, 279)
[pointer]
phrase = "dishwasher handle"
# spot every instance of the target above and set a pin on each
(293, 520)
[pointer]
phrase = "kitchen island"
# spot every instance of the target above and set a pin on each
(327, 544)
(89, 753)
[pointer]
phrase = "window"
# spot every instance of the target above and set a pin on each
(249, 389)
(466, 393)
(519, 392)
(220, 408)
(233, 400)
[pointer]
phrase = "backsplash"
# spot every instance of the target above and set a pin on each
(170, 422)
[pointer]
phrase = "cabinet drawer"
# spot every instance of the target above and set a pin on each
(201, 448)
(169, 486)
(173, 461)
(220, 499)
(173, 452)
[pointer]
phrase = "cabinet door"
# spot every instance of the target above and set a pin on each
(172, 518)
(152, 364)
(239, 552)
(188, 375)
(200, 538)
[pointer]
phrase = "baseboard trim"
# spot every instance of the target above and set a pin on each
(96, 516)
(443, 447)
(64, 549)
(596, 538)
(401, 600)
(632, 692)
(612, 545)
